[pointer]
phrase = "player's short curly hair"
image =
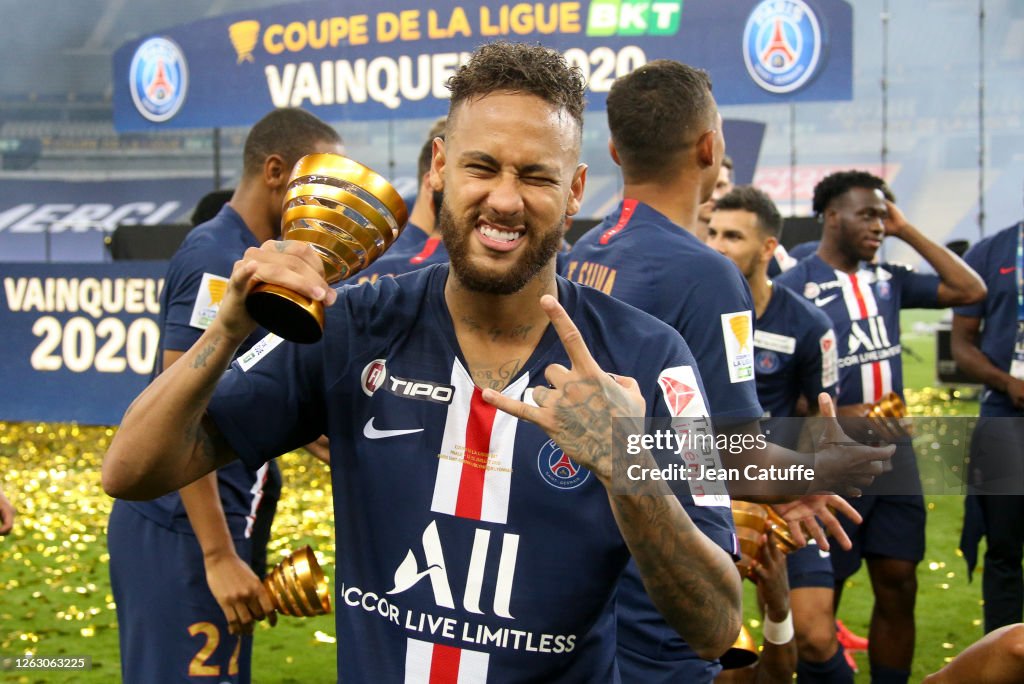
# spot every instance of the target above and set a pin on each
(749, 198)
(657, 111)
(288, 132)
(836, 185)
(520, 68)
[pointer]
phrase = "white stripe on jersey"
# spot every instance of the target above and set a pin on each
(257, 497)
(497, 479)
(421, 657)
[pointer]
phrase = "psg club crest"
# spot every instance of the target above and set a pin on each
(767, 361)
(158, 79)
(557, 469)
(781, 45)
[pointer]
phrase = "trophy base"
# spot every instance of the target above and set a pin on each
(287, 314)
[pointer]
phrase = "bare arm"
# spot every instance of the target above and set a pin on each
(234, 585)
(691, 581)
(996, 658)
(6, 514)
(960, 284)
(778, 661)
(969, 357)
(164, 442)
(320, 449)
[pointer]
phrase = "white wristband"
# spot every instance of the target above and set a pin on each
(778, 633)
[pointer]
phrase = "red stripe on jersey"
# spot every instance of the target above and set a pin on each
(628, 207)
(474, 464)
(429, 247)
(444, 664)
(876, 368)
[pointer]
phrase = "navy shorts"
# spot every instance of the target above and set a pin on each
(893, 527)
(169, 625)
(810, 567)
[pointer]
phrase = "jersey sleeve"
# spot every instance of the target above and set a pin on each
(679, 397)
(976, 258)
(715, 318)
(195, 284)
(819, 362)
(917, 290)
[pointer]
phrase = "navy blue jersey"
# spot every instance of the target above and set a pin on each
(804, 249)
(398, 260)
(411, 239)
(794, 353)
(196, 280)
(865, 311)
(995, 260)
(467, 542)
(641, 257)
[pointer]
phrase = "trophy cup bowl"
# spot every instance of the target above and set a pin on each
(297, 585)
(889, 406)
(349, 215)
(888, 413)
(752, 520)
(743, 652)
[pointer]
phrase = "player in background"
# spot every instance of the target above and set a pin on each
(777, 658)
(519, 535)
(666, 135)
(723, 186)
(864, 301)
(794, 357)
(988, 344)
(180, 565)
(411, 254)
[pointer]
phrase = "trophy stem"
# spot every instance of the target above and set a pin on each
(286, 313)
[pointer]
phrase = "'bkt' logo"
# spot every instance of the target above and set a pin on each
(158, 79)
(634, 17)
(781, 44)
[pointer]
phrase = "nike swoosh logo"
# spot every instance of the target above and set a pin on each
(1009, 269)
(822, 301)
(371, 432)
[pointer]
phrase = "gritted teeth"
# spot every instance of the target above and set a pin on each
(496, 234)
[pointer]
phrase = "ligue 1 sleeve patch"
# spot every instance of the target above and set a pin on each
(738, 337)
(211, 292)
(681, 392)
(258, 351)
(829, 359)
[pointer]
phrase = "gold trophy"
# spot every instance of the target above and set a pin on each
(752, 520)
(887, 416)
(297, 585)
(743, 652)
(349, 215)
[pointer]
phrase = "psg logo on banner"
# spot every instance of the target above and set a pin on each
(781, 45)
(557, 469)
(158, 79)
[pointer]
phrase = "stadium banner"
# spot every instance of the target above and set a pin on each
(392, 58)
(79, 340)
(54, 220)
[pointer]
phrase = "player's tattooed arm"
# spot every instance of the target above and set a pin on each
(689, 578)
(163, 442)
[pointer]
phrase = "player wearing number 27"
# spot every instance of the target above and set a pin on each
(182, 566)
